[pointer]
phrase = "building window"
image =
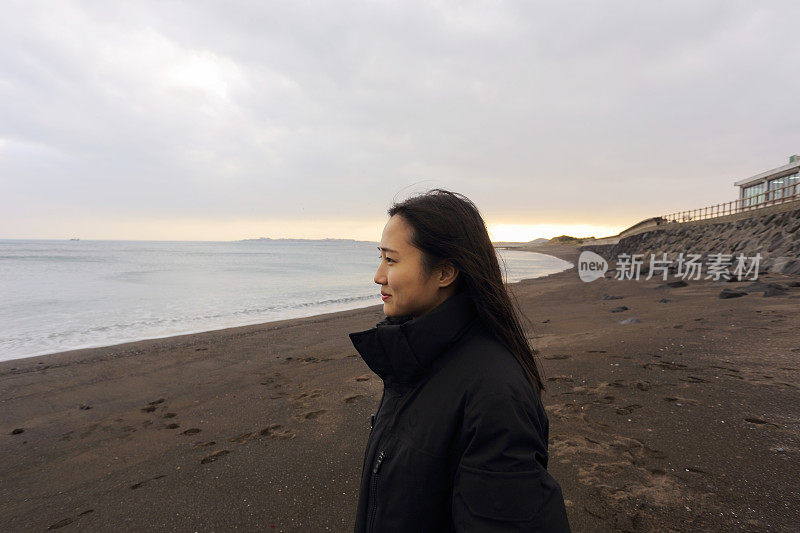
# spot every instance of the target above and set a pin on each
(754, 195)
(793, 180)
(784, 187)
(775, 188)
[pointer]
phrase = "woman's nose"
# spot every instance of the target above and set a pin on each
(379, 278)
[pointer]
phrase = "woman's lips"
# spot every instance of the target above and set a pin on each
(384, 297)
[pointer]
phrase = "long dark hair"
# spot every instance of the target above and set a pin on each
(447, 226)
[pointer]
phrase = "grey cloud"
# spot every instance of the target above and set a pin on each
(285, 109)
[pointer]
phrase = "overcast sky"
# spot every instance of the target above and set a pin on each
(228, 120)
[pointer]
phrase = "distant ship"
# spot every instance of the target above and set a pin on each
(73, 239)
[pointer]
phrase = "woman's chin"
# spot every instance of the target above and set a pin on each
(388, 309)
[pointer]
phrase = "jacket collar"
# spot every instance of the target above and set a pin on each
(402, 348)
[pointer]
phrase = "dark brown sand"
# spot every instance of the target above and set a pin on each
(686, 420)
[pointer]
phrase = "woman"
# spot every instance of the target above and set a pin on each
(459, 441)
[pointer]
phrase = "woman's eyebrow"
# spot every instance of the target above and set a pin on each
(387, 250)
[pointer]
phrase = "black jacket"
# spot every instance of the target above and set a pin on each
(459, 442)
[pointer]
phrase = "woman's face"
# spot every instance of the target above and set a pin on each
(410, 291)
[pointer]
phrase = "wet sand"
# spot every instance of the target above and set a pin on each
(687, 419)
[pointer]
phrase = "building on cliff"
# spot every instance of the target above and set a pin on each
(764, 220)
(773, 184)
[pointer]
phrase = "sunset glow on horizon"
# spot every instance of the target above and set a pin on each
(194, 229)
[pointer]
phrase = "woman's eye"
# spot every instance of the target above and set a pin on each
(387, 259)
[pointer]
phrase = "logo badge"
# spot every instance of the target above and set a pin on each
(591, 266)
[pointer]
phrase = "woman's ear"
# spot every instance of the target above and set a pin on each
(448, 273)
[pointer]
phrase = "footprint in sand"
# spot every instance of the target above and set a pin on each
(637, 449)
(172, 426)
(729, 369)
(67, 521)
(203, 444)
(241, 439)
(628, 409)
(137, 485)
(191, 431)
(149, 409)
(313, 394)
(566, 379)
(89, 430)
(680, 401)
(693, 379)
(664, 365)
(268, 380)
(351, 399)
(593, 441)
(60, 523)
(156, 402)
(169, 415)
(759, 421)
(312, 415)
(214, 456)
(274, 430)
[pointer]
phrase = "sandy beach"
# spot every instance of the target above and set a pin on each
(686, 419)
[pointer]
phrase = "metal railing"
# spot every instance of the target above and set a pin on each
(780, 195)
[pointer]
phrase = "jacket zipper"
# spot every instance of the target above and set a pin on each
(374, 491)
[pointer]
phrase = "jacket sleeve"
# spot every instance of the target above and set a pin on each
(501, 482)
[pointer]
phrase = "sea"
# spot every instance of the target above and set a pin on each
(58, 295)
